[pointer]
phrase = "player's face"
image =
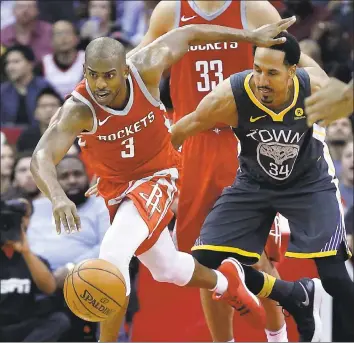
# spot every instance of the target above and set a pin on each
(106, 78)
(271, 76)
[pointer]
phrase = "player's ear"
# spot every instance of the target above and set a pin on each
(84, 70)
(292, 71)
(126, 71)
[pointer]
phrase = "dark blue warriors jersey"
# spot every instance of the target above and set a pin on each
(278, 148)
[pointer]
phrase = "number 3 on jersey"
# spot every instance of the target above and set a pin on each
(206, 69)
(129, 151)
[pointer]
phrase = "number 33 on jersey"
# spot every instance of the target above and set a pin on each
(205, 66)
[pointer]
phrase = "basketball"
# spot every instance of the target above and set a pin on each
(94, 290)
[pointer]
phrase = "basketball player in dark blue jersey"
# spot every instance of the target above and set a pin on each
(285, 167)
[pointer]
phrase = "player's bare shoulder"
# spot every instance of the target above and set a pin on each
(162, 21)
(74, 115)
(259, 13)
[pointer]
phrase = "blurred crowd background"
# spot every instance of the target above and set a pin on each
(42, 53)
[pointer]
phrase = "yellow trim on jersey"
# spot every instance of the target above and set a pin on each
(275, 116)
(311, 254)
(227, 249)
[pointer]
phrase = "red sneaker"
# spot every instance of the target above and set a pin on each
(239, 296)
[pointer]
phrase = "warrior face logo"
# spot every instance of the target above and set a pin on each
(276, 159)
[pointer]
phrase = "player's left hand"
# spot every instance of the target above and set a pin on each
(264, 35)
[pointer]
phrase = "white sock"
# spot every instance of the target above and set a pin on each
(277, 336)
(221, 283)
(231, 340)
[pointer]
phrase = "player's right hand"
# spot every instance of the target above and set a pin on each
(65, 212)
(264, 35)
(93, 190)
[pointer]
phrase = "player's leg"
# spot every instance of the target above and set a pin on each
(234, 228)
(119, 244)
(239, 214)
(275, 324)
(166, 264)
(319, 233)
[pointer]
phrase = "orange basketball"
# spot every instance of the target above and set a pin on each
(94, 290)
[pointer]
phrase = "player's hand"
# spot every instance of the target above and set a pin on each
(328, 104)
(93, 190)
(65, 212)
(263, 36)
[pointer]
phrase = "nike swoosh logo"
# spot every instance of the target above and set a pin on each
(188, 18)
(252, 120)
(102, 122)
(307, 300)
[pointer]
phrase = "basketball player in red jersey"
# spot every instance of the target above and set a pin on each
(192, 78)
(117, 112)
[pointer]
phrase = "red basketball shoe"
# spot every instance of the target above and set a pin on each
(239, 296)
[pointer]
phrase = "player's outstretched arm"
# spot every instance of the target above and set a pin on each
(332, 102)
(217, 107)
(72, 119)
(169, 48)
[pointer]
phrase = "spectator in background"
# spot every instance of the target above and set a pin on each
(7, 164)
(63, 68)
(3, 138)
(311, 48)
(335, 49)
(43, 238)
(338, 134)
(346, 184)
(307, 15)
(135, 19)
(22, 179)
(28, 30)
(54, 10)
(19, 94)
(23, 276)
(48, 102)
(6, 12)
(100, 22)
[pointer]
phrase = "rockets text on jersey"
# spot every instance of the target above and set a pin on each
(205, 66)
(127, 144)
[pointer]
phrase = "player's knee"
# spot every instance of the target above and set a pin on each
(178, 270)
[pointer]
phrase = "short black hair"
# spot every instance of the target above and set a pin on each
(26, 51)
(49, 91)
(105, 47)
(291, 48)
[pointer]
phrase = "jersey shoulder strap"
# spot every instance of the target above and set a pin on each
(304, 81)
